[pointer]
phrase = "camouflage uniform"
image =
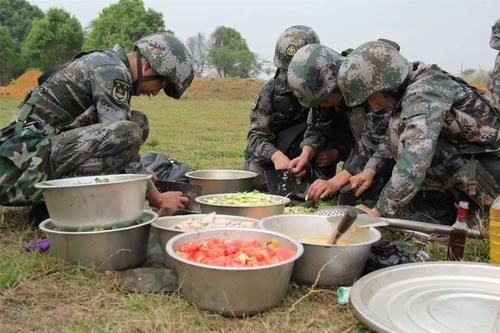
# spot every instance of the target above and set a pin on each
(442, 125)
(444, 134)
(78, 121)
(279, 122)
(494, 84)
(276, 114)
(79, 125)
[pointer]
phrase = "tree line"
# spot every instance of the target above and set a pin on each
(30, 38)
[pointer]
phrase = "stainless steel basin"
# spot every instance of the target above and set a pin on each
(325, 265)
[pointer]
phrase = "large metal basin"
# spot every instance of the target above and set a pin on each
(164, 226)
(325, 265)
(253, 211)
(105, 250)
(84, 202)
(222, 181)
(234, 291)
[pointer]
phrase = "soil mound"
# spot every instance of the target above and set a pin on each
(20, 87)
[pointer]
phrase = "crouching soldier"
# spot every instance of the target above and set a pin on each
(444, 135)
(281, 128)
(78, 121)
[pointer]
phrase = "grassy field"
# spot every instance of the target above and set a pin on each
(41, 294)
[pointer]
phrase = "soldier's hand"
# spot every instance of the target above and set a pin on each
(362, 181)
(280, 160)
(172, 199)
(152, 173)
(326, 157)
(299, 163)
(370, 211)
(322, 189)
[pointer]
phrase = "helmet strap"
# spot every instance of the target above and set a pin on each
(140, 77)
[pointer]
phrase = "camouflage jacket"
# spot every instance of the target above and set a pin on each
(369, 130)
(276, 109)
(495, 44)
(94, 88)
(439, 119)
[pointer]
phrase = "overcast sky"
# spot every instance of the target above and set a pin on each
(451, 33)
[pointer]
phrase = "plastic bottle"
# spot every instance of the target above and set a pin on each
(494, 231)
(458, 234)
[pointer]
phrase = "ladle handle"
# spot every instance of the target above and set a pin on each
(344, 224)
(347, 220)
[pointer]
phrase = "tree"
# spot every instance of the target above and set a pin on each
(229, 54)
(17, 16)
(123, 23)
(7, 56)
(199, 50)
(53, 40)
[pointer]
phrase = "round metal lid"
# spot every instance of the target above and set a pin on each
(430, 297)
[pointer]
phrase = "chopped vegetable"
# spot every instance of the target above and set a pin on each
(253, 198)
(211, 221)
(234, 253)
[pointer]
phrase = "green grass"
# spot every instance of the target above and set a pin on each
(39, 293)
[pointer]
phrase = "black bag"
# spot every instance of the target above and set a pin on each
(166, 169)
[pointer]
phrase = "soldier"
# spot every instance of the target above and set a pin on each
(494, 84)
(280, 127)
(444, 134)
(78, 121)
(312, 77)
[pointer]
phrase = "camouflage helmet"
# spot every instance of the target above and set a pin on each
(372, 67)
(290, 41)
(312, 74)
(168, 56)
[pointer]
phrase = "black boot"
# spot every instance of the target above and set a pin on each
(38, 214)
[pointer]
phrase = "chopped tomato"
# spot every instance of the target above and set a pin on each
(234, 253)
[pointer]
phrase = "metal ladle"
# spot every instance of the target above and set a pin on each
(344, 224)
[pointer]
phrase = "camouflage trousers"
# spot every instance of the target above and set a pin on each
(494, 88)
(96, 149)
(90, 150)
(477, 181)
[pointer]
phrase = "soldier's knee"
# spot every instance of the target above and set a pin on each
(142, 120)
(129, 132)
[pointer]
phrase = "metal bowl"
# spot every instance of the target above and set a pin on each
(335, 264)
(105, 250)
(253, 211)
(222, 181)
(234, 291)
(164, 226)
(95, 201)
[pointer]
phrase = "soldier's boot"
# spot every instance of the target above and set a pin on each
(38, 214)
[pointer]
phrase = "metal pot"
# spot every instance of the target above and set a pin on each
(234, 291)
(106, 250)
(222, 181)
(95, 201)
(335, 264)
(164, 226)
(256, 212)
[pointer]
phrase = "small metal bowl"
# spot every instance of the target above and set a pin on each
(336, 265)
(164, 226)
(95, 201)
(234, 291)
(114, 249)
(222, 181)
(253, 211)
